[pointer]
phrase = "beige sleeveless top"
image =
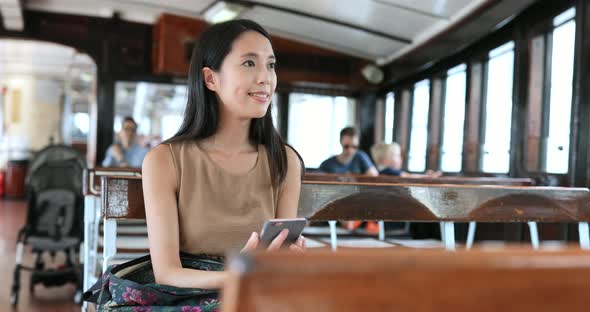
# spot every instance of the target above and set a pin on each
(218, 210)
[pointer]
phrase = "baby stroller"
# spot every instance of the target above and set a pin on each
(54, 218)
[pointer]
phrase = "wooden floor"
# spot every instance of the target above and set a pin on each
(12, 218)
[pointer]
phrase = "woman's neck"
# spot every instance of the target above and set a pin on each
(232, 136)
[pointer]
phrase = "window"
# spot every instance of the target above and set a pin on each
(157, 108)
(274, 111)
(454, 119)
(560, 99)
(315, 122)
(419, 132)
(170, 125)
(498, 110)
(81, 126)
(389, 115)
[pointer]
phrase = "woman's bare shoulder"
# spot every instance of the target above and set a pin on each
(158, 160)
(293, 158)
(159, 154)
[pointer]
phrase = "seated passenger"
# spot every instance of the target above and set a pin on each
(210, 188)
(351, 160)
(388, 158)
(125, 152)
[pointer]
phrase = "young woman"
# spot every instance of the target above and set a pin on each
(209, 189)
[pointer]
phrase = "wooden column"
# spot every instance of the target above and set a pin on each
(434, 124)
(471, 146)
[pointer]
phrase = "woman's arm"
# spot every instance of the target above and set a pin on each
(159, 192)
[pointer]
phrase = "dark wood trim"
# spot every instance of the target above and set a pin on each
(534, 107)
(459, 180)
(367, 110)
(482, 115)
(106, 111)
(284, 113)
(580, 134)
(519, 101)
(435, 124)
(406, 134)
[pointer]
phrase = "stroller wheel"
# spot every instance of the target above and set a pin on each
(78, 297)
(13, 297)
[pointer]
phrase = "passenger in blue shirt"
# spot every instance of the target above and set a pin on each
(351, 160)
(388, 158)
(125, 152)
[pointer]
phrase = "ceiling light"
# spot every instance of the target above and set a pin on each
(222, 11)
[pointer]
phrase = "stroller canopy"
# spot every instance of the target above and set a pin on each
(53, 160)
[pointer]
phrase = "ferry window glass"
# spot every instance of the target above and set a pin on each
(81, 126)
(560, 101)
(315, 122)
(419, 128)
(156, 107)
(454, 119)
(498, 110)
(389, 115)
(275, 112)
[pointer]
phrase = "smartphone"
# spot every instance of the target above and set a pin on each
(272, 228)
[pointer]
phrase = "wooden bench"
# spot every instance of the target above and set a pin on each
(122, 199)
(91, 190)
(324, 201)
(410, 280)
(453, 180)
(326, 177)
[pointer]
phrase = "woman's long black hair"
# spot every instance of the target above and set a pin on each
(201, 116)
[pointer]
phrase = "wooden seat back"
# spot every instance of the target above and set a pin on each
(326, 177)
(91, 182)
(122, 198)
(409, 280)
(440, 203)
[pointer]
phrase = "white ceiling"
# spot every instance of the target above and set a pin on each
(22, 57)
(363, 28)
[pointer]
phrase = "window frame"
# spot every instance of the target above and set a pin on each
(545, 29)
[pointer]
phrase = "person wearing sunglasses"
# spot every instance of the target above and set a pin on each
(351, 160)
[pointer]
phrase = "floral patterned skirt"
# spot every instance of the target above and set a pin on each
(131, 287)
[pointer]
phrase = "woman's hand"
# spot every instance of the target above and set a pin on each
(277, 242)
(299, 246)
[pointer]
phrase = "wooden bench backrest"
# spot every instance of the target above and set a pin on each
(91, 182)
(458, 203)
(324, 177)
(122, 197)
(409, 280)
